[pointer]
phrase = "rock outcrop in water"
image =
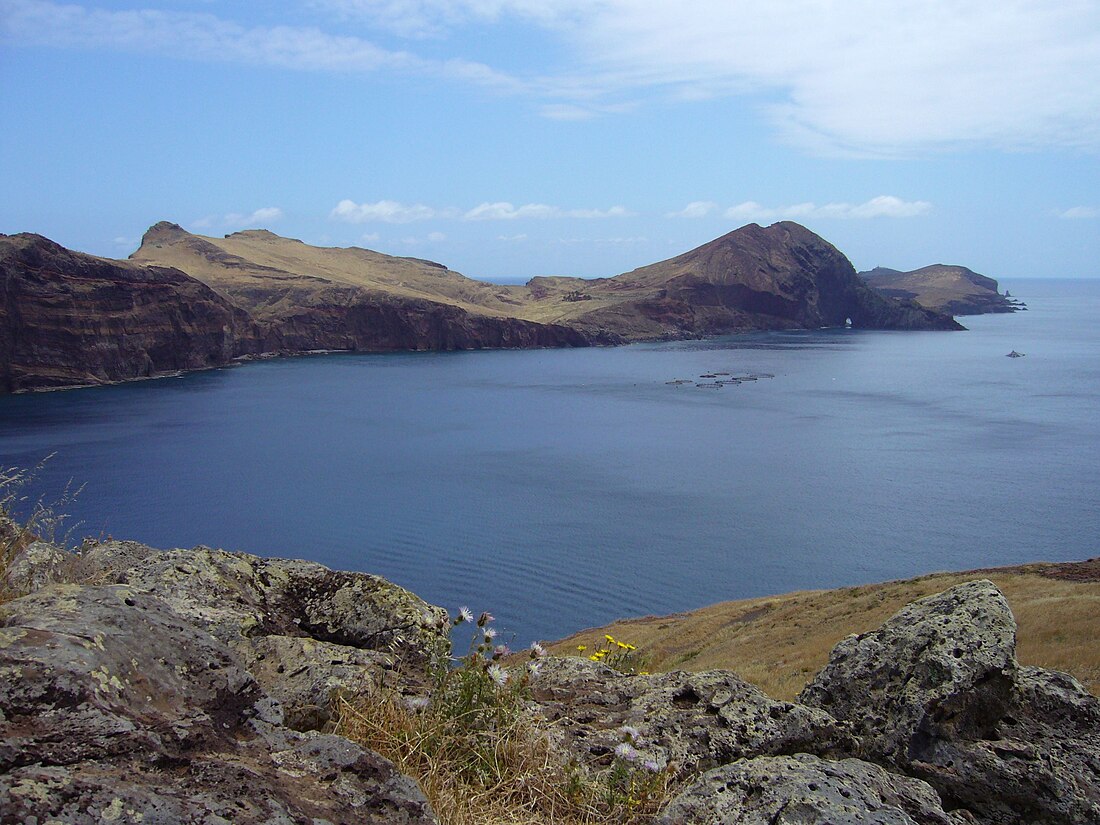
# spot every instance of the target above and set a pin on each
(190, 685)
(954, 290)
(185, 302)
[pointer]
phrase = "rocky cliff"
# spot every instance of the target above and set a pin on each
(191, 685)
(72, 319)
(954, 290)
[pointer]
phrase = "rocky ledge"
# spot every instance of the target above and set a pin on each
(195, 685)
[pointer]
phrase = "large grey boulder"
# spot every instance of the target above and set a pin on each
(113, 707)
(689, 721)
(936, 692)
(804, 790)
(306, 632)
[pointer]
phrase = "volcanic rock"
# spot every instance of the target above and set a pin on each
(936, 693)
(115, 708)
(807, 790)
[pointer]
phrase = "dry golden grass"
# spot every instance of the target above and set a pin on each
(513, 776)
(778, 643)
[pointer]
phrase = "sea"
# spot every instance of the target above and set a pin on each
(562, 489)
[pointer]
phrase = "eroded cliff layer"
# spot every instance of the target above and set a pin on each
(72, 319)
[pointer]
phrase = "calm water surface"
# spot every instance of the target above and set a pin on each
(563, 488)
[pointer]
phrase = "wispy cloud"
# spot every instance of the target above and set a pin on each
(1078, 212)
(883, 206)
(207, 37)
(239, 220)
(695, 209)
(387, 211)
(861, 77)
(504, 211)
(384, 211)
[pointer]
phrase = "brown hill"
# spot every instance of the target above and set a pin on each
(350, 299)
(755, 278)
(954, 290)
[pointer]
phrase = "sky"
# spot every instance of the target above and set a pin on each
(514, 138)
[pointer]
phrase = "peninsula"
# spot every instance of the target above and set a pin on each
(186, 301)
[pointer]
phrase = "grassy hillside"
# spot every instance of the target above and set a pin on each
(779, 642)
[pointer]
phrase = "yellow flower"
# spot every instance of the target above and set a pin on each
(623, 646)
(582, 648)
(630, 646)
(609, 637)
(594, 657)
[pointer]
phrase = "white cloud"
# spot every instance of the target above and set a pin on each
(513, 238)
(504, 211)
(695, 209)
(883, 206)
(240, 220)
(385, 211)
(566, 111)
(436, 237)
(370, 237)
(1077, 212)
(264, 215)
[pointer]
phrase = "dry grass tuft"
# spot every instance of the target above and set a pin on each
(482, 754)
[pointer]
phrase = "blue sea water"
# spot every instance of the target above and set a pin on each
(561, 489)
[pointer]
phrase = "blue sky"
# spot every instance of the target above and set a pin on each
(513, 138)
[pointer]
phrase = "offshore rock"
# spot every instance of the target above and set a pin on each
(936, 693)
(115, 708)
(805, 790)
(689, 721)
(69, 319)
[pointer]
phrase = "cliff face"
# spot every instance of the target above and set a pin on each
(779, 277)
(72, 319)
(954, 290)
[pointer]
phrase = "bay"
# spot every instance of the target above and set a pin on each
(561, 489)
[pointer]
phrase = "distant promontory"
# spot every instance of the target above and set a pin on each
(954, 290)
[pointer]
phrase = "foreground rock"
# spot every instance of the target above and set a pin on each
(936, 693)
(304, 631)
(116, 708)
(689, 721)
(774, 790)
